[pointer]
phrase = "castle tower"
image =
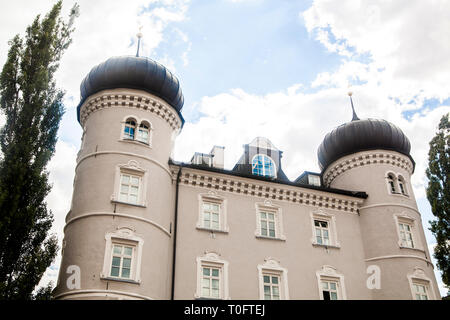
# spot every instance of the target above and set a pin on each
(373, 155)
(118, 235)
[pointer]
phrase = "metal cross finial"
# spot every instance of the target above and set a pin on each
(139, 35)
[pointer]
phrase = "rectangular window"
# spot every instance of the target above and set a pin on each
(271, 285)
(406, 235)
(211, 215)
(129, 188)
(267, 220)
(211, 282)
(329, 290)
(420, 291)
(322, 232)
(314, 180)
(121, 262)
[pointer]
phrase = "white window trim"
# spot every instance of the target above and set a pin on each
(132, 167)
(212, 260)
(329, 273)
(222, 202)
(136, 129)
(396, 178)
(418, 276)
(332, 229)
(125, 236)
(268, 206)
(273, 163)
(405, 218)
(273, 266)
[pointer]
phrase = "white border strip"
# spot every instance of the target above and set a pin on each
(101, 293)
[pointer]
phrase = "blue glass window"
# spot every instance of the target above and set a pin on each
(263, 165)
(130, 126)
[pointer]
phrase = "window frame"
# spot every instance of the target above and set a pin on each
(404, 218)
(215, 198)
(329, 274)
(124, 236)
(131, 168)
(419, 277)
(272, 162)
(138, 122)
(212, 260)
(320, 215)
(272, 267)
(269, 207)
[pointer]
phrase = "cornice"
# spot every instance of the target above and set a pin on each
(366, 158)
(129, 99)
(266, 190)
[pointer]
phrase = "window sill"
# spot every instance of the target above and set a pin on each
(135, 142)
(128, 204)
(326, 246)
(415, 249)
(120, 280)
(211, 230)
(398, 194)
(270, 238)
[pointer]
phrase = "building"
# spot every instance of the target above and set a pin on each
(143, 226)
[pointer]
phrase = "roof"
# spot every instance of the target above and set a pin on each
(133, 73)
(361, 135)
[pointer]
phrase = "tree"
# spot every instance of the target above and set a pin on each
(33, 108)
(438, 194)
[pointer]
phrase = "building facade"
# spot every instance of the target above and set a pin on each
(143, 226)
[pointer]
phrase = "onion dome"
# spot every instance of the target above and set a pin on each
(361, 135)
(133, 73)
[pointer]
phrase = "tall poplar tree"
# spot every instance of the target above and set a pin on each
(438, 194)
(33, 108)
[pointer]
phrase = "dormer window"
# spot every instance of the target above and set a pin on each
(130, 127)
(263, 165)
(314, 180)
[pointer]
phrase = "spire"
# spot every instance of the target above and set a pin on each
(139, 36)
(355, 117)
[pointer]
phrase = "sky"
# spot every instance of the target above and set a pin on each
(274, 68)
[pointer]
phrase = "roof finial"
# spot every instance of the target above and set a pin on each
(139, 35)
(355, 117)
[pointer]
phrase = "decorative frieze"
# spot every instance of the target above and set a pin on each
(302, 196)
(366, 158)
(134, 100)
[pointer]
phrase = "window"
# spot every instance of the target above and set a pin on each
(322, 232)
(122, 256)
(130, 127)
(331, 284)
(130, 184)
(212, 214)
(420, 291)
(273, 282)
(406, 237)
(211, 282)
(402, 185)
(329, 290)
(271, 286)
(263, 165)
(391, 183)
(314, 180)
(269, 221)
(143, 132)
(129, 188)
(212, 277)
(267, 224)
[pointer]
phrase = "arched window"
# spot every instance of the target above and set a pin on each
(391, 182)
(263, 165)
(401, 185)
(143, 132)
(129, 130)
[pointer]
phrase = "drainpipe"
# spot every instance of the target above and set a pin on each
(175, 224)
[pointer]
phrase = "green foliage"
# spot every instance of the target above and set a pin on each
(33, 108)
(438, 194)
